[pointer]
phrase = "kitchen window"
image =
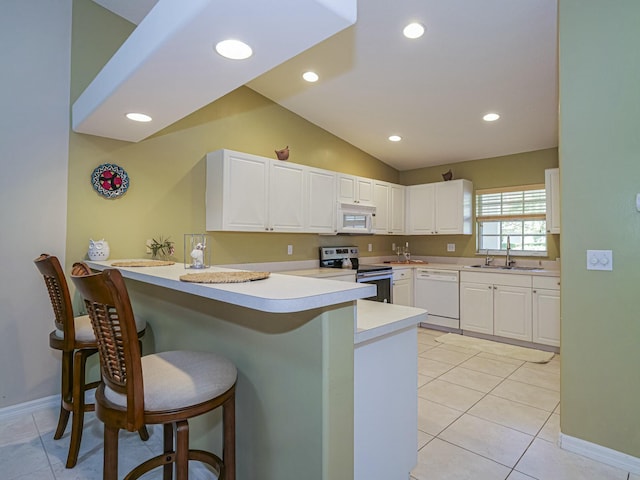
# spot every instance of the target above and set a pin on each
(515, 212)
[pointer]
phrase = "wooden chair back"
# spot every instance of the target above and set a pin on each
(109, 307)
(51, 270)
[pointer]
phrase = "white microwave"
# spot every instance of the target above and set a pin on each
(355, 218)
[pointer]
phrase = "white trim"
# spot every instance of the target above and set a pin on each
(29, 407)
(600, 453)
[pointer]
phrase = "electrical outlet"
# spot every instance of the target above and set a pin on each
(451, 247)
(393, 247)
(370, 247)
(149, 241)
(289, 249)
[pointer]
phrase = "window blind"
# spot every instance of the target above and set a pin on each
(524, 202)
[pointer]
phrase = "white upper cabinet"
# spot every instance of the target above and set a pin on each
(442, 208)
(552, 186)
(286, 197)
(352, 189)
(251, 193)
(321, 201)
(421, 213)
(389, 200)
(237, 191)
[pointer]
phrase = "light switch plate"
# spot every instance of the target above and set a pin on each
(599, 260)
(289, 249)
(451, 247)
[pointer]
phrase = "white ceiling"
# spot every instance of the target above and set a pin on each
(477, 56)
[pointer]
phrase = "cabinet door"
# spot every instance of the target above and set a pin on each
(286, 197)
(245, 193)
(421, 209)
(512, 312)
(402, 293)
(546, 317)
(347, 188)
(552, 187)
(381, 199)
(453, 201)
(321, 201)
(396, 209)
(448, 216)
(476, 307)
(364, 190)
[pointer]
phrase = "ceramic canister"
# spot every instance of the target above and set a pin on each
(98, 249)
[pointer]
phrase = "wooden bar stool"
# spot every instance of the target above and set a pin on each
(164, 388)
(74, 337)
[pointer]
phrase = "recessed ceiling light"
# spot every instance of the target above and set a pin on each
(491, 117)
(395, 138)
(234, 49)
(138, 117)
(413, 30)
(310, 76)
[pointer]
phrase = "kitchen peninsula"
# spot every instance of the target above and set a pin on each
(303, 355)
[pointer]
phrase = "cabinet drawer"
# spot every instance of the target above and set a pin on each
(549, 283)
(402, 273)
(512, 279)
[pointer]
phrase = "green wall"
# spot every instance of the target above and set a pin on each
(599, 160)
(167, 193)
(518, 169)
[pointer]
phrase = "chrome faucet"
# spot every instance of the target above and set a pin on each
(488, 259)
(508, 261)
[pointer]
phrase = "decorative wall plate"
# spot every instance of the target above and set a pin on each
(110, 180)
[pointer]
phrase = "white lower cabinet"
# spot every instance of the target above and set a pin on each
(512, 312)
(546, 310)
(476, 306)
(521, 307)
(403, 287)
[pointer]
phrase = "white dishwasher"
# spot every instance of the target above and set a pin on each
(437, 291)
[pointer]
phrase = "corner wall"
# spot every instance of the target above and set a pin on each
(34, 133)
(600, 177)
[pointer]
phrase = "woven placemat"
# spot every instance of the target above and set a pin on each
(223, 277)
(143, 263)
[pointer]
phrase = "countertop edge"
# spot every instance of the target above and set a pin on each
(266, 297)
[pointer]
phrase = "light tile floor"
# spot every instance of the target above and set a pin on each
(487, 417)
(480, 417)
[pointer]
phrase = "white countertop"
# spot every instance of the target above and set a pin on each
(321, 272)
(467, 268)
(376, 319)
(276, 294)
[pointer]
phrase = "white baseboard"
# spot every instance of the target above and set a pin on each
(30, 407)
(600, 453)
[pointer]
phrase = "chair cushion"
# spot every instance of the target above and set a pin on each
(179, 379)
(84, 330)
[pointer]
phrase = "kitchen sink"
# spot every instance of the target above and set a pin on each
(504, 267)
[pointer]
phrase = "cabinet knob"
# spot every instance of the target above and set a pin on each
(490, 287)
(535, 291)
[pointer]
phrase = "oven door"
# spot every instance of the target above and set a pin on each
(383, 283)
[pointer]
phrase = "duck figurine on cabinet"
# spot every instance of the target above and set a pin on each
(283, 154)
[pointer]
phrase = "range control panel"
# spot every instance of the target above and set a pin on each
(334, 253)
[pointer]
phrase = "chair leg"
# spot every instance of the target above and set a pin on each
(144, 433)
(77, 404)
(167, 470)
(182, 450)
(110, 462)
(229, 438)
(65, 394)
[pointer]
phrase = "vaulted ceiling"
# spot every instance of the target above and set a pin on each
(475, 57)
